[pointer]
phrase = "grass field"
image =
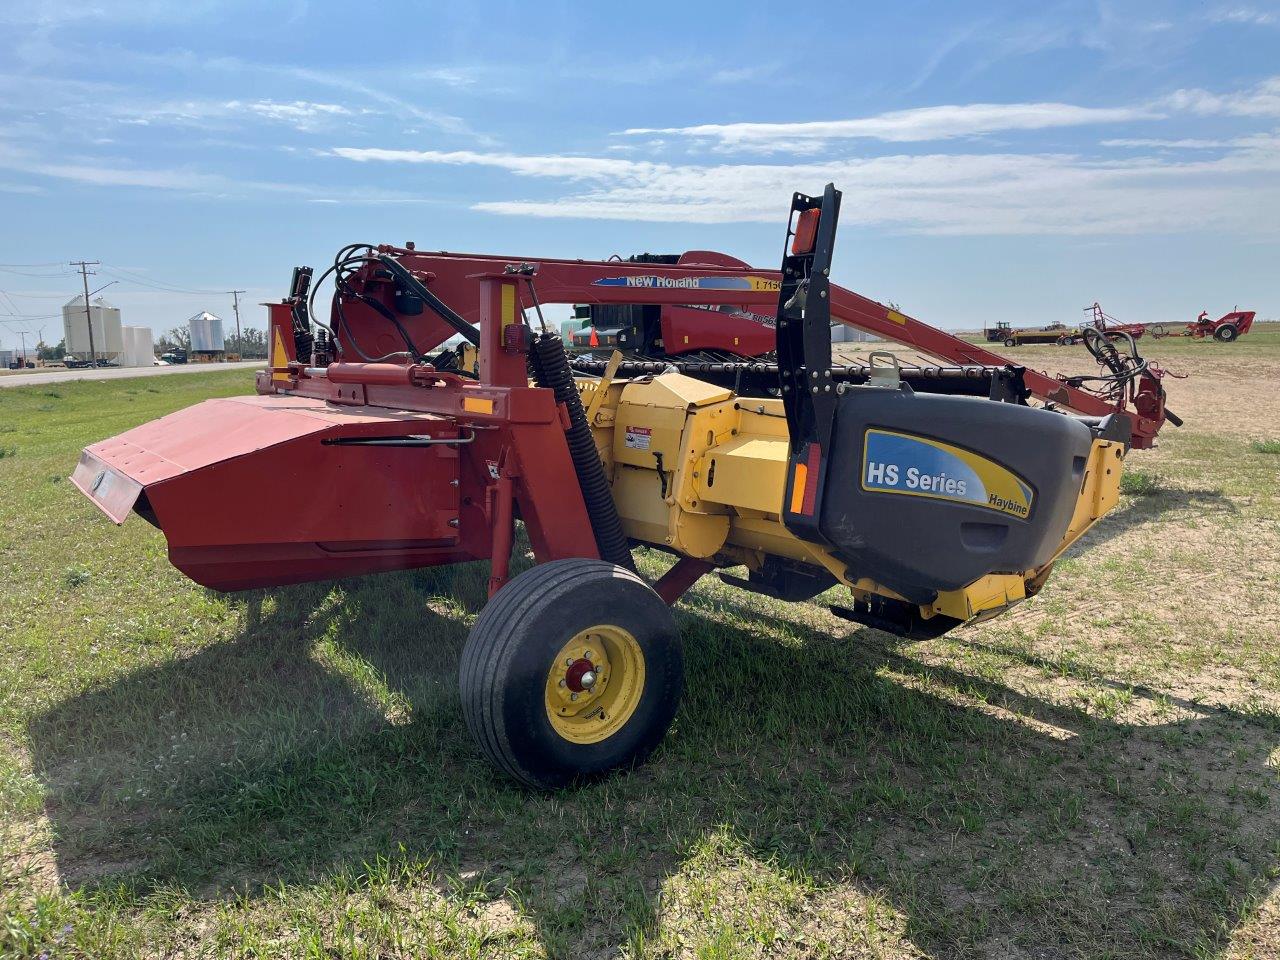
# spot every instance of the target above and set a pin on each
(1096, 774)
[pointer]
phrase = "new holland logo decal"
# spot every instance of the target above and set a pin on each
(691, 283)
(920, 467)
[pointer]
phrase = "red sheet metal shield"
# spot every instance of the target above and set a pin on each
(253, 491)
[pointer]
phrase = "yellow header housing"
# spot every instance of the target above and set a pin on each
(700, 471)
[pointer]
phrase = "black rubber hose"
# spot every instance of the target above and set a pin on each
(438, 306)
(551, 370)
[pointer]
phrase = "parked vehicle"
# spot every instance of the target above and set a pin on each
(1058, 333)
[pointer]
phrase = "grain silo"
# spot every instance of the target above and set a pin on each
(108, 338)
(139, 350)
(207, 340)
(843, 333)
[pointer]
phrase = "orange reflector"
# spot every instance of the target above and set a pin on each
(798, 483)
(806, 232)
(804, 482)
(477, 405)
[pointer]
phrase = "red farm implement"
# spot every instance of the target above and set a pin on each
(934, 495)
(1230, 326)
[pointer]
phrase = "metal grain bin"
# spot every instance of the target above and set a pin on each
(206, 333)
(108, 336)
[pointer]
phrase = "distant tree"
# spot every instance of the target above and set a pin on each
(179, 338)
(252, 344)
(56, 352)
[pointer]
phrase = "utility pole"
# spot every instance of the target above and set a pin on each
(235, 300)
(23, 362)
(88, 317)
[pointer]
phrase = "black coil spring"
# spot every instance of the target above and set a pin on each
(550, 368)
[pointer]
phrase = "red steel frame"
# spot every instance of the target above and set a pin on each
(519, 429)
(1204, 327)
(363, 467)
(453, 278)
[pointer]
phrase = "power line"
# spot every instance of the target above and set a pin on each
(37, 276)
(130, 277)
(14, 306)
(16, 313)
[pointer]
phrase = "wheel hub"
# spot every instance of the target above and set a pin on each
(594, 683)
(581, 675)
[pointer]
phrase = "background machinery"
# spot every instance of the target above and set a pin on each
(930, 495)
(1225, 329)
(1057, 333)
(1230, 326)
(1106, 324)
(709, 332)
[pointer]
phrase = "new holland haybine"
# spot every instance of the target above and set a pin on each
(931, 495)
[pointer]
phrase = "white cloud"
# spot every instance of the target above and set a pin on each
(743, 74)
(181, 179)
(1249, 15)
(568, 168)
(904, 126)
(968, 194)
(1185, 144)
(449, 76)
(295, 112)
(52, 13)
(300, 114)
(91, 100)
(1262, 100)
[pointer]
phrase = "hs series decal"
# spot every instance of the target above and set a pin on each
(921, 467)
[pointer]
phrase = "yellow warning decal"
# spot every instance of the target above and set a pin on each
(279, 357)
(508, 305)
(897, 317)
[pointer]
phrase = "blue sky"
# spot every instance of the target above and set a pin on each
(1000, 160)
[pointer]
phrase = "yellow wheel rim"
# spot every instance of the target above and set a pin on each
(594, 684)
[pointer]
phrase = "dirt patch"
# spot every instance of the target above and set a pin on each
(1222, 389)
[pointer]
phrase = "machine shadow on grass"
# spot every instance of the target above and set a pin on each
(327, 734)
(1149, 507)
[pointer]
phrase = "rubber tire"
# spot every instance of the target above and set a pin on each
(503, 673)
(1011, 342)
(1226, 333)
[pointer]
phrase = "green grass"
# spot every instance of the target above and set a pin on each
(1265, 446)
(1140, 483)
(286, 773)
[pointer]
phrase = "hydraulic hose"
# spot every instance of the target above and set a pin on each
(438, 306)
(551, 370)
